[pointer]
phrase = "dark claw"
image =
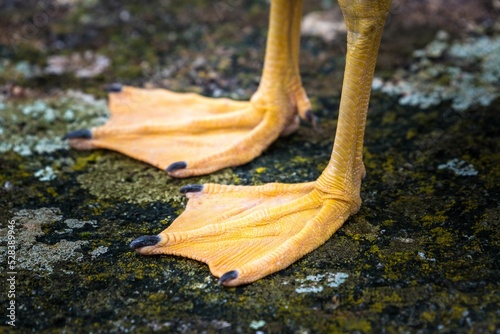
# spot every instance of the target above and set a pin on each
(176, 166)
(114, 88)
(83, 134)
(311, 118)
(230, 275)
(145, 240)
(191, 188)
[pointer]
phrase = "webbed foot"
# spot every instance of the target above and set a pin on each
(188, 134)
(244, 233)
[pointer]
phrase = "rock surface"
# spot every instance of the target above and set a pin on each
(421, 256)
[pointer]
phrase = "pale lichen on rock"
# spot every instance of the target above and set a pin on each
(448, 71)
(459, 167)
(98, 251)
(45, 174)
(33, 255)
(73, 109)
(311, 284)
(82, 65)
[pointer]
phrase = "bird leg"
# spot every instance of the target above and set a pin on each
(188, 134)
(245, 233)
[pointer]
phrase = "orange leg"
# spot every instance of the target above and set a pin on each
(245, 233)
(188, 134)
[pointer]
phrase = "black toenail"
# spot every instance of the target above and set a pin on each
(309, 115)
(114, 88)
(145, 240)
(311, 118)
(230, 275)
(83, 134)
(176, 166)
(191, 188)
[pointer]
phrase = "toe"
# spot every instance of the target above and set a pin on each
(228, 277)
(191, 188)
(311, 118)
(114, 88)
(78, 134)
(145, 240)
(176, 166)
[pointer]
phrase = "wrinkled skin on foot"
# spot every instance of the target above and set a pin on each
(187, 134)
(245, 233)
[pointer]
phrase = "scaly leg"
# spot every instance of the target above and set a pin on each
(188, 134)
(245, 233)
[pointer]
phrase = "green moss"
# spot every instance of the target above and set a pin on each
(411, 133)
(260, 170)
(430, 220)
(86, 160)
(389, 117)
(353, 324)
(422, 247)
(361, 229)
(388, 165)
(428, 317)
(85, 235)
(299, 160)
(393, 262)
(135, 182)
(442, 236)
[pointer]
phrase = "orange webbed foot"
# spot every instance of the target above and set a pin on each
(187, 134)
(245, 233)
